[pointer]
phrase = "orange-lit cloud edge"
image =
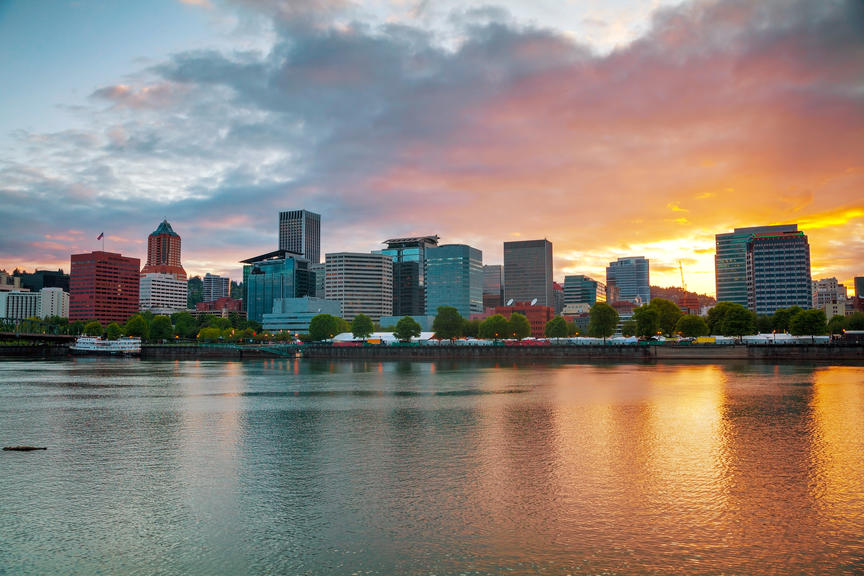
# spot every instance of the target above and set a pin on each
(705, 124)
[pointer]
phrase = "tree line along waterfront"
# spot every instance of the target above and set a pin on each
(658, 318)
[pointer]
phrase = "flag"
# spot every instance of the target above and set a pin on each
(101, 235)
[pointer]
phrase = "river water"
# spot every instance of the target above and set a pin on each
(316, 467)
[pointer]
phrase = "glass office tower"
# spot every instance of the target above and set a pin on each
(630, 279)
(730, 261)
(454, 277)
(528, 271)
(409, 278)
(279, 274)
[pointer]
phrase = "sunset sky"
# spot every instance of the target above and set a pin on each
(611, 127)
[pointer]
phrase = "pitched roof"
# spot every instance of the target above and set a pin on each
(164, 228)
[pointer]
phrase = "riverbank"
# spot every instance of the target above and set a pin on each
(823, 353)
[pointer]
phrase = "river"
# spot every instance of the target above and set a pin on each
(320, 467)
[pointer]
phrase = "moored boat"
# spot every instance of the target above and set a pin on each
(96, 345)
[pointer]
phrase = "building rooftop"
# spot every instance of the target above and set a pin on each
(275, 255)
(413, 240)
(164, 228)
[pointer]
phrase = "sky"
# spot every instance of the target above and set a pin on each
(613, 128)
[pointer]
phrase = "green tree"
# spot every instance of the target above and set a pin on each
(781, 320)
(218, 322)
(603, 321)
(572, 329)
(519, 326)
(209, 334)
(185, 324)
(160, 328)
(808, 323)
(407, 328)
(717, 315)
(76, 327)
(494, 327)
(361, 326)
(448, 323)
(556, 328)
(194, 291)
(647, 321)
(764, 325)
(323, 327)
(669, 313)
(837, 324)
(738, 321)
(471, 328)
(114, 331)
(628, 327)
(136, 326)
(692, 326)
(93, 328)
(855, 321)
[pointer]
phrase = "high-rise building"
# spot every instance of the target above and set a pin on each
(215, 287)
(320, 277)
(163, 285)
(580, 289)
(778, 271)
(830, 296)
(629, 279)
(53, 302)
(163, 252)
(278, 274)
(39, 279)
(9, 282)
(528, 271)
(300, 233)
(162, 293)
(859, 286)
(361, 282)
(16, 305)
(103, 286)
(409, 272)
(730, 261)
(454, 277)
(493, 286)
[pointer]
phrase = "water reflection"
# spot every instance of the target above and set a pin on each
(293, 466)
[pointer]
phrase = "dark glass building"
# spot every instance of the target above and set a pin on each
(409, 275)
(300, 233)
(629, 279)
(730, 261)
(528, 272)
(493, 286)
(40, 279)
(279, 274)
(778, 271)
(580, 289)
(454, 277)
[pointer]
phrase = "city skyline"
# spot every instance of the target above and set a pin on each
(643, 134)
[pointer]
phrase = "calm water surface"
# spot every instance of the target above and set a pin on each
(302, 467)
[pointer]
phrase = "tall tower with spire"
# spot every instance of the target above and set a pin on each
(163, 252)
(163, 288)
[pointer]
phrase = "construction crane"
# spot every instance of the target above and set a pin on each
(681, 266)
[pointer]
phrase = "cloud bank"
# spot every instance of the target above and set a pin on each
(723, 114)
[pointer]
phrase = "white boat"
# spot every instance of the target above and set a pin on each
(96, 345)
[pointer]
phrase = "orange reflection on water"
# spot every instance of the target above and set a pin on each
(837, 464)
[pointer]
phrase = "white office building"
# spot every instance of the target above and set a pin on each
(53, 302)
(361, 282)
(162, 293)
(19, 305)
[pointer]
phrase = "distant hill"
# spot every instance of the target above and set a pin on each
(675, 295)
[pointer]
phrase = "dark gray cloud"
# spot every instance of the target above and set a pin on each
(385, 130)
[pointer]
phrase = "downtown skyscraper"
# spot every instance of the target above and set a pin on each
(528, 271)
(629, 279)
(300, 233)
